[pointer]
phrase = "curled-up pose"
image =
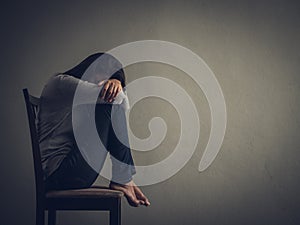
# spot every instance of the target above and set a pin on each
(65, 164)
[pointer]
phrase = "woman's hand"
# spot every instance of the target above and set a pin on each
(110, 90)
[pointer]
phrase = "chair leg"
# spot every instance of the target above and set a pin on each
(51, 217)
(115, 213)
(40, 216)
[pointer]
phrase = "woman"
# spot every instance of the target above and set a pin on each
(63, 164)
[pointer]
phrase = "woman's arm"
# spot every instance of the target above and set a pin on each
(68, 84)
(120, 75)
(110, 89)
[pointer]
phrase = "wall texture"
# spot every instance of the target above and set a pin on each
(253, 49)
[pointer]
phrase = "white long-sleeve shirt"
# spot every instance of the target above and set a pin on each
(54, 122)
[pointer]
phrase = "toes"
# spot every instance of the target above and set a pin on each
(141, 196)
(131, 200)
(133, 194)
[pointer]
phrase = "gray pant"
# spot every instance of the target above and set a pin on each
(75, 172)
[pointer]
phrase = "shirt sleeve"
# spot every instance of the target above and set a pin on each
(84, 91)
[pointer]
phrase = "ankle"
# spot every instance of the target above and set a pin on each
(130, 183)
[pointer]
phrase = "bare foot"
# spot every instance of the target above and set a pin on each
(133, 194)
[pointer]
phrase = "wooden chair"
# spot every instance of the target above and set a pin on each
(93, 198)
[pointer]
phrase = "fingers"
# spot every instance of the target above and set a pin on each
(110, 90)
(118, 89)
(104, 90)
(109, 93)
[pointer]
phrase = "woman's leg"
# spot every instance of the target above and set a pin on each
(74, 172)
(111, 123)
(117, 143)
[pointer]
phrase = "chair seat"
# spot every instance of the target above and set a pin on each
(92, 192)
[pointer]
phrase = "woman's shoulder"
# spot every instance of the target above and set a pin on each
(53, 95)
(52, 86)
(52, 78)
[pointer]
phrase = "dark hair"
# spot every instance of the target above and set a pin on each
(79, 69)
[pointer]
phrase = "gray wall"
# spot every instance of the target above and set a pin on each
(252, 47)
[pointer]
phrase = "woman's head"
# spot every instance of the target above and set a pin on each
(95, 69)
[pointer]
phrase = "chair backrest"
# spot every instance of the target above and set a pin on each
(32, 106)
